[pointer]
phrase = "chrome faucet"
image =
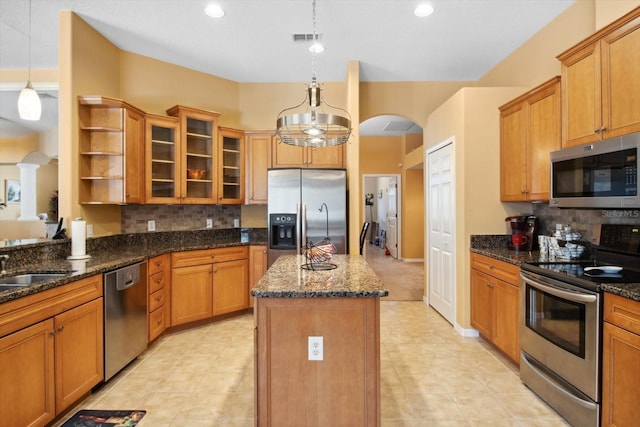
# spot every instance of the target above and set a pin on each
(3, 263)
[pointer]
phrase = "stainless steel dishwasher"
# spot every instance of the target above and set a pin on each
(125, 316)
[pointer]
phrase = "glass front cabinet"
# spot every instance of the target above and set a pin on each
(162, 159)
(231, 166)
(197, 161)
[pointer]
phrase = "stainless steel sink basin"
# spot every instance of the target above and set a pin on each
(28, 279)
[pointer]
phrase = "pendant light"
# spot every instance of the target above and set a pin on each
(313, 122)
(29, 105)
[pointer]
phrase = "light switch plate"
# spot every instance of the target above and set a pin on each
(236, 222)
(89, 230)
(151, 225)
(209, 222)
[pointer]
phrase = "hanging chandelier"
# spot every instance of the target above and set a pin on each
(314, 122)
(29, 105)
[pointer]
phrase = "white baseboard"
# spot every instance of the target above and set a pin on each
(466, 332)
(413, 259)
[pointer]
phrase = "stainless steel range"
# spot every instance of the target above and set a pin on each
(561, 322)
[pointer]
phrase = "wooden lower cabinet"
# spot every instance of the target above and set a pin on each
(258, 265)
(207, 283)
(494, 303)
(343, 389)
(27, 395)
(230, 290)
(620, 361)
(191, 294)
(47, 366)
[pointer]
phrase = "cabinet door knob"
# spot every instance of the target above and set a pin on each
(61, 328)
(158, 263)
(596, 130)
(603, 128)
(53, 332)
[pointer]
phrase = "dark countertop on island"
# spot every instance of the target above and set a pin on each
(352, 278)
(495, 246)
(110, 253)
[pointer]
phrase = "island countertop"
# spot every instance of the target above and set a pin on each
(352, 278)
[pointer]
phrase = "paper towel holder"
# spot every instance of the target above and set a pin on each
(74, 234)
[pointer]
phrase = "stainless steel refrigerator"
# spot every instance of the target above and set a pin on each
(306, 205)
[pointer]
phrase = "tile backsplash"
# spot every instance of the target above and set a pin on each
(177, 217)
(585, 221)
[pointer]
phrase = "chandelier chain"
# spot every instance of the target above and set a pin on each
(29, 49)
(314, 41)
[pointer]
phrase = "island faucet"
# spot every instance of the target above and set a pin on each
(3, 263)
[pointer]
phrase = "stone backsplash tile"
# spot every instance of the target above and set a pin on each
(177, 217)
(585, 221)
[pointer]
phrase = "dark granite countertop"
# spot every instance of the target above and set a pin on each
(352, 278)
(107, 254)
(495, 246)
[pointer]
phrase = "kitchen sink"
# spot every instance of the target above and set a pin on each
(27, 279)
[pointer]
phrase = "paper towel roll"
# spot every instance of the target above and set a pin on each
(78, 238)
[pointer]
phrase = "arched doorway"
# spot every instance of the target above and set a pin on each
(385, 142)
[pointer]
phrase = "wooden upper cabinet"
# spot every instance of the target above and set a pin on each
(258, 159)
(162, 157)
(111, 147)
(529, 131)
(198, 154)
(601, 84)
(290, 156)
(231, 166)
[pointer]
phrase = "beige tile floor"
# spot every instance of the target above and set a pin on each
(431, 376)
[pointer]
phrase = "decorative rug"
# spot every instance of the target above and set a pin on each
(102, 418)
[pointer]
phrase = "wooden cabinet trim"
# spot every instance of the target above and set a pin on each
(622, 312)
(509, 273)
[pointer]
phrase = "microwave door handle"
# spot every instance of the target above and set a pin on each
(570, 296)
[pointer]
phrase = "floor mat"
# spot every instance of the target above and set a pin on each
(102, 418)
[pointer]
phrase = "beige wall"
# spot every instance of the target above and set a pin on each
(607, 11)
(12, 151)
(88, 66)
(471, 118)
(412, 214)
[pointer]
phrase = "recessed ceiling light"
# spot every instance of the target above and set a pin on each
(316, 48)
(214, 11)
(423, 10)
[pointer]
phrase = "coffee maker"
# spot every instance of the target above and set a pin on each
(524, 232)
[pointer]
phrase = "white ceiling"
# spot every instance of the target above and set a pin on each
(462, 40)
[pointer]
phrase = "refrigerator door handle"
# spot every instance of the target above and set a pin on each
(304, 226)
(298, 228)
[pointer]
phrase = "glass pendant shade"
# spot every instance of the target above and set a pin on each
(29, 105)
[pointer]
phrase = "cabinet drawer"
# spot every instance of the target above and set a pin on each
(157, 281)
(189, 258)
(622, 312)
(158, 264)
(156, 300)
(510, 273)
(31, 309)
(157, 323)
(231, 254)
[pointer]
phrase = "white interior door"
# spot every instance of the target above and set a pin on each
(440, 229)
(392, 217)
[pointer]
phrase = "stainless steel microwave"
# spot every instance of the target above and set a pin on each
(599, 175)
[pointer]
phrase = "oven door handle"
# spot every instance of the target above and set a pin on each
(570, 296)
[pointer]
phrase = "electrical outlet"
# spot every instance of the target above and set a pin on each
(209, 222)
(89, 230)
(316, 348)
(236, 222)
(151, 225)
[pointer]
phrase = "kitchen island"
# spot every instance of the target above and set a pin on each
(331, 317)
